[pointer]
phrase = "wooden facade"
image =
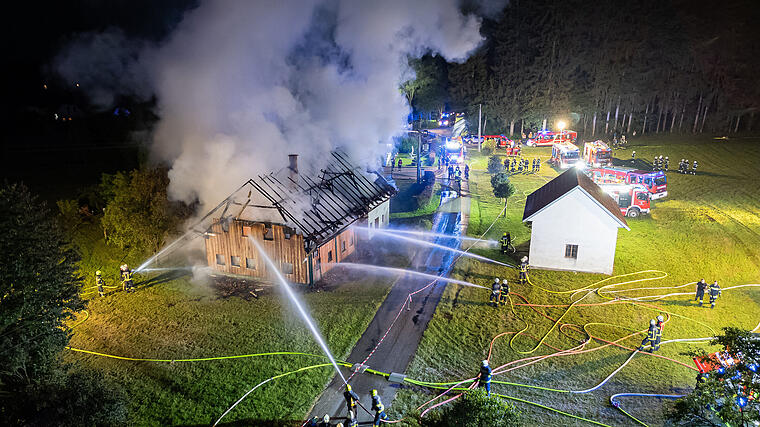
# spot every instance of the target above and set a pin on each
(232, 252)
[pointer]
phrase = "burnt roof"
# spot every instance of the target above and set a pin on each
(319, 206)
(562, 185)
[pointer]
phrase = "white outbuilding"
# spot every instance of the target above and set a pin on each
(574, 225)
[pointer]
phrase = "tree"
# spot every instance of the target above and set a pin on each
(717, 400)
(494, 165)
(39, 285)
(139, 214)
(475, 408)
(502, 188)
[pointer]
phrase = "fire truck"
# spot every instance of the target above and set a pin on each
(546, 138)
(501, 141)
(455, 150)
(655, 181)
(633, 199)
(597, 153)
(565, 155)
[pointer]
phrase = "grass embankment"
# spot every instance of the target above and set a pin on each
(708, 226)
(170, 318)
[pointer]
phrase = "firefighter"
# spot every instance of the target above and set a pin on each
(504, 292)
(680, 166)
(506, 242)
(495, 289)
(520, 166)
(651, 336)
(701, 287)
(99, 281)
(377, 406)
(399, 164)
(523, 270)
(126, 278)
(451, 171)
(506, 163)
(685, 166)
(393, 163)
(694, 168)
(658, 338)
(325, 421)
(655, 163)
(714, 293)
(466, 171)
(538, 165)
(351, 400)
(667, 163)
(633, 156)
(484, 378)
(513, 167)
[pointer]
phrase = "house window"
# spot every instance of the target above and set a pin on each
(571, 251)
(287, 232)
(287, 268)
(329, 256)
(235, 261)
(268, 233)
(250, 263)
(220, 259)
(351, 239)
(246, 230)
(343, 246)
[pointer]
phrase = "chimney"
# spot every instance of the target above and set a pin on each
(293, 170)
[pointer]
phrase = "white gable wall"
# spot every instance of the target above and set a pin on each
(379, 217)
(574, 219)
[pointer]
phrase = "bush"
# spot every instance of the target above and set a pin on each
(494, 165)
(475, 408)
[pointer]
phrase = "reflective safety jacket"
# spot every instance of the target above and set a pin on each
(652, 333)
(377, 404)
(485, 374)
(99, 281)
(495, 288)
(351, 398)
(524, 267)
(714, 290)
(126, 275)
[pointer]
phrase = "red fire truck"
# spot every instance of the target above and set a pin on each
(501, 141)
(655, 181)
(565, 155)
(546, 138)
(597, 153)
(633, 199)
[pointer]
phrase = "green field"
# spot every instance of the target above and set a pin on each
(183, 318)
(708, 226)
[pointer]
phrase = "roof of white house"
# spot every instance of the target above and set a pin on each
(564, 184)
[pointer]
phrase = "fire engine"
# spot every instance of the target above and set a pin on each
(633, 199)
(565, 155)
(455, 150)
(654, 181)
(546, 138)
(597, 153)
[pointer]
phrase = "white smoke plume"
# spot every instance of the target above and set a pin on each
(241, 84)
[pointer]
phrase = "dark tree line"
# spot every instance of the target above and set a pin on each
(646, 66)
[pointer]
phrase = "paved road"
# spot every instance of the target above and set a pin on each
(398, 348)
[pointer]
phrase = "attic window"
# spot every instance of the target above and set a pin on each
(571, 251)
(288, 232)
(220, 259)
(268, 233)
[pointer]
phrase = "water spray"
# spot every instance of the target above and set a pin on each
(436, 245)
(390, 270)
(159, 253)
(307, 319)
(430, 234)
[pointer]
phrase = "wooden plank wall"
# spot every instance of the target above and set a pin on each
(335, 246)
(234, 243)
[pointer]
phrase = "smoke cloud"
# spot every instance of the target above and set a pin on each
(241, 84)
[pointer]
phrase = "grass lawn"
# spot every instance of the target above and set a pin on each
(708, 226)
(184, 319)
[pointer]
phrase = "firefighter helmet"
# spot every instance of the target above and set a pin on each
(348, 387)
(97, 273)
(524, 259)
(504, 281)
(326, 418)
(660, 318)
(652, 322)
(374, 392)
(485, 363)
(496, 280)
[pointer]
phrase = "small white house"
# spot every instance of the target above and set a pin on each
(574, 225)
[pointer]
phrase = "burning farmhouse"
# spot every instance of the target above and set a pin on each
(303, 221)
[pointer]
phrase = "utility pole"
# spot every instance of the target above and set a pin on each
(480, 114)
(419, 166)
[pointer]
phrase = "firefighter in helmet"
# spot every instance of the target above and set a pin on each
(506, 242)
(694, 168)
(504, 294)
(714, 293)
(351, 400)
(523, 270)
(651, 336)
(377, 406)
(495, 290)
(99, 282)
(484, 378)
(126, 278)
(667, 164)
(701, 287)
(660, 325)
